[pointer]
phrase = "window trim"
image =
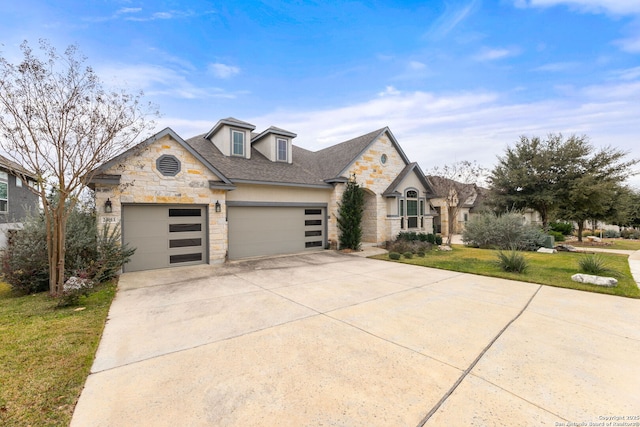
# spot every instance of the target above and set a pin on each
(233, 145)
(411, 195)
(286, 149)
(4, 180)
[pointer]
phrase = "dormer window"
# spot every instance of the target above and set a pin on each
(282, 149)
(237, 143)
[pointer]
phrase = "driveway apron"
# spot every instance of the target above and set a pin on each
(334, 339)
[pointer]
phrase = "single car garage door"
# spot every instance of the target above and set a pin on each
(165, 236)
(261, 230)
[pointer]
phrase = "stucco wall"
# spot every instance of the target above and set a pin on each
(278, 193)
(141, 182)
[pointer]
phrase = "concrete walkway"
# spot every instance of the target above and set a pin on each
(334, 339)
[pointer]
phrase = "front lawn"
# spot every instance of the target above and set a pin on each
(546, 269)
(46, 354)
(622, 244)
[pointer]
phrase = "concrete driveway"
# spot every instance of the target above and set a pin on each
(339, 340)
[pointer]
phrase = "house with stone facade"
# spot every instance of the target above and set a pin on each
(448, 195)
(234, 193)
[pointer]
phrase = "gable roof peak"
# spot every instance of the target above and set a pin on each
(229, 121)
(272, 130)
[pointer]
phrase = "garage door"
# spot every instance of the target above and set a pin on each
(258, 231)
(165, 236)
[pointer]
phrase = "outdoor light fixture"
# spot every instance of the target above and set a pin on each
(107, 206)
(218, 208)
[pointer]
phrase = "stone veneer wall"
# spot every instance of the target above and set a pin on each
(376, 177)
(142, 183)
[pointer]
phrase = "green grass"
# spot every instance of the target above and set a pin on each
(45, 354)
(622, 244)
(546, 269)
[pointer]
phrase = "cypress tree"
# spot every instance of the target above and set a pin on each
(350, 213)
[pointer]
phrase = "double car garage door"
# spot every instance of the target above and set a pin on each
(171, 236)
(272, 230)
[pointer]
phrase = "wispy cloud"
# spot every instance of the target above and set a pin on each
(223, 71)
(450, 19)
(474, 125)
(138, 14)
(492, 54)
(631, 45)
(617, 7)
(557, 67)
(157, 80)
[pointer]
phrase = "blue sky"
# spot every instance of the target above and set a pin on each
(454, 80)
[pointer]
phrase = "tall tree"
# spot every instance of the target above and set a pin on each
(558, 176)
(58, 121)
(455, 184)
(350, 213)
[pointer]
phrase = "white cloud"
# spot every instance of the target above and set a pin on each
(389, 91)
(617, 7)
(156, 80)
(557, 67)
(631, 45)
(416, 65)
(223, 71)
(492, 54)
(437, 129)
(126, 10)
(450, 19)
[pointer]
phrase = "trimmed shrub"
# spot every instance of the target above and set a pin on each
(394, 255)
(506, 231)
(438, 239)
(557, 236)
(596, 265)
(512, 261)
(565, 228)
(412, 236)
(408, 255)
(421, 254)
(402, 246)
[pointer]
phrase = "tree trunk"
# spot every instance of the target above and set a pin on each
(580, 228)
(55, 246)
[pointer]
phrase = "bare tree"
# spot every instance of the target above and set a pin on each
(58, 121)
(456, 185)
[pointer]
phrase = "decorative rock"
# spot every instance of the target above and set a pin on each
(547, 251)
(444, 248)
(595, 280)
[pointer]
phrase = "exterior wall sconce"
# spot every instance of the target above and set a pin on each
(107, 206)
(218, 207)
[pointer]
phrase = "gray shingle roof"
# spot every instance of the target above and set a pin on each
(308, 168)
(334, 160)
(258, 168)
(410, 168)
(14, 167)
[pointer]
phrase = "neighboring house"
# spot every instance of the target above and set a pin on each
(16, 199)
(473, 197)
(234, 193)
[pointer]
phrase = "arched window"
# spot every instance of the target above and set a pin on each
(412, 208)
